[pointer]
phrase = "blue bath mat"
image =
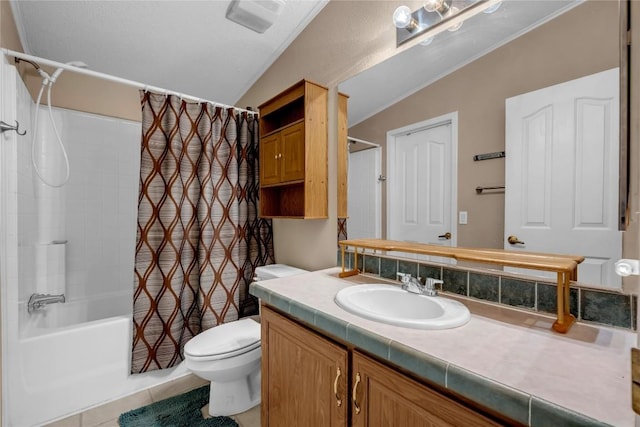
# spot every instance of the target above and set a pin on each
(178, 411)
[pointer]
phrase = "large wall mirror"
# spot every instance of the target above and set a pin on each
(464, 80)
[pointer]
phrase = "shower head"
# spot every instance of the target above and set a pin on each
(59, 71)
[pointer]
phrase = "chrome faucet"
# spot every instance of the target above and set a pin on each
(413, 285)
(430, 287)
(37, 301)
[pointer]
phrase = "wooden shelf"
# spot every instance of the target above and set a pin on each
(566, 266)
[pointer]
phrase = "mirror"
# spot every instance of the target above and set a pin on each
(472, 72)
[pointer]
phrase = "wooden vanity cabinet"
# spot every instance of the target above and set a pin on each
(304, 376)
(384, 397)
(306, 381)
(293, 153)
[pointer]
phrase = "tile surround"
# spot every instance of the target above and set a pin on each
(601, 306)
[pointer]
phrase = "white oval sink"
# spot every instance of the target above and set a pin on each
(393, 305)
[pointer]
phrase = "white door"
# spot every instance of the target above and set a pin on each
(561, 192)
(421, 190)
(364, 195)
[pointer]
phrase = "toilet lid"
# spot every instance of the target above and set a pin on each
(226, 340)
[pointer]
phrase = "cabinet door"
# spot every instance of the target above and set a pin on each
(292, 150)
(269, 160)
(384, 397)
(304, 377)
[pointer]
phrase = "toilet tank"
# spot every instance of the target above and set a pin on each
(274, 271)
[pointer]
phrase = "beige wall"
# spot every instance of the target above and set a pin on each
(581, 42)
(334, 47)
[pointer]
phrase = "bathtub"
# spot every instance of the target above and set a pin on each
(69, 358)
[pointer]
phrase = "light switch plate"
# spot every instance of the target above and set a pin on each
(462, 217)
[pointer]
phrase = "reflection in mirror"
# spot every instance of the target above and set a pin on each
(524, 46)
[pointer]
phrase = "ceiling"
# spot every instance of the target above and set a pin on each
(190, 47)
(183, 46)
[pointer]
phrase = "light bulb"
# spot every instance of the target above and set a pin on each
(433, 5)
(452, 12)
(427, 41)
(493, 7)
(402, 17)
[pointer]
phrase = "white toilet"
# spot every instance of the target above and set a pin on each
(228, 355)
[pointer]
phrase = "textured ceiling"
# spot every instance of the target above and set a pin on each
(184, 46)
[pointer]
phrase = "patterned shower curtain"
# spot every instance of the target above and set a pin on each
(199, 237)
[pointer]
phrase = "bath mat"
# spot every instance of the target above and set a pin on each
(178, 411)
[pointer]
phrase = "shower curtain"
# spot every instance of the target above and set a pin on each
(199, 237)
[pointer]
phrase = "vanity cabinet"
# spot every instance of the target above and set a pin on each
(304, 376)
(293, 153)
(383, 397)
(306, 381)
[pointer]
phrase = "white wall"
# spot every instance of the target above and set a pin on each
(95, 211)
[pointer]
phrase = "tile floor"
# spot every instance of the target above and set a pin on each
(107, 415)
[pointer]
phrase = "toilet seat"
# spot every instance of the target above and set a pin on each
(224, 341)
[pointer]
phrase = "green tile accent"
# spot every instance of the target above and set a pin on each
(548, 299)
(389, 268)
(408, 267)
(634, 310)
(544, 414)
(455, 281)
(606, 308)
(302, 312)
(421, 364)
(279, 302)
(495, 396)
(333, 326)
(519, 293)
(484, 286)
(258, 292)
(368, 341)
(372, 264)
(430, 271)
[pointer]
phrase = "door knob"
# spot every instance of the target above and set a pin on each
(445, 236)
(514, 240)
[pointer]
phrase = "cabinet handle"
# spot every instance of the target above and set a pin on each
(335, 387)
(355, 390)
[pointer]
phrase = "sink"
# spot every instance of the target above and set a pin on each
(396, 306)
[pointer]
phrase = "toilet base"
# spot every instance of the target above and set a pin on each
(234, 397)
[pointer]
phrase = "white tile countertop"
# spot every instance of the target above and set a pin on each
(506, 359)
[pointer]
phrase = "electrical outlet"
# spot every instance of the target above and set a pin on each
(462, 217)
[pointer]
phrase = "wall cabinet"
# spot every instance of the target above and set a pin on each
(293, 153)
(306, 382)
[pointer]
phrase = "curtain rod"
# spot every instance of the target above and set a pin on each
(109, 77)
(362, 141)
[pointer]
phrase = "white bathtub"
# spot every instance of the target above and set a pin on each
(66, 361)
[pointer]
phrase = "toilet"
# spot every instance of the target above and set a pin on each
(228, 355)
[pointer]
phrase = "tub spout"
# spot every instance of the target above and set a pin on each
(37, 301)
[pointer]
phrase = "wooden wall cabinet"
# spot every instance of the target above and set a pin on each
(306, 381)
(293, 153)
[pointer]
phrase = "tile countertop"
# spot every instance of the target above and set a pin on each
(505, 359)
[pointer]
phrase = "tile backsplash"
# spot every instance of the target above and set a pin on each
(601, 306)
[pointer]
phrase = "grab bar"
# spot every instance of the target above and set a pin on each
(479, 190)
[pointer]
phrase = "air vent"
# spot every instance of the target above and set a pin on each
(257, 15)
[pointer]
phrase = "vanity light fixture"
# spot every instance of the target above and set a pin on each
(436, 16)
